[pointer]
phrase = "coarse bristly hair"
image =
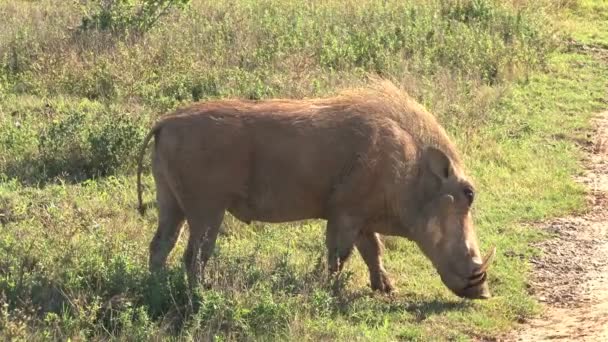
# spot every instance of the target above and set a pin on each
(382, 98)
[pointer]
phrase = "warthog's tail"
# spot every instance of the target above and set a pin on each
(152, 133)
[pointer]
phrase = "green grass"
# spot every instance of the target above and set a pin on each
(74, 105)
(586, 20)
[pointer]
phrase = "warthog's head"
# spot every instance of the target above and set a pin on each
(445, 233)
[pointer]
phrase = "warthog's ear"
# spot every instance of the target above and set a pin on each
(438, 163)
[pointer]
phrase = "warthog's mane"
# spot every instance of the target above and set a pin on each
(382, 99)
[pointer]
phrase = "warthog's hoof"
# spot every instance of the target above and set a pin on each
(383, 284)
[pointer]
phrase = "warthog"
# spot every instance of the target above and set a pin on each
(369, 161)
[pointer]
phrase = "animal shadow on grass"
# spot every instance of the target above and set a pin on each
(40, 172)
(420, 309)
(166, 295)
(31, 171)
(423, 309)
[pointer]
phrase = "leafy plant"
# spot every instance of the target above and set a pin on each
(114, 145)
(136, 16)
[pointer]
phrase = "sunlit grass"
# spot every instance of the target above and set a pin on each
(73, 250)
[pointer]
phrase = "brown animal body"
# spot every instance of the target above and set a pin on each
(368, 161)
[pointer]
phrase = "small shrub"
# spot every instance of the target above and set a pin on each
(267, 316)
(73, 147)
(121, 16)
(63, 147)
(114, 145)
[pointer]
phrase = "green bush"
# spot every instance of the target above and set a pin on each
(63, 147)
(121, 16)
(77, 144)
(115, 145)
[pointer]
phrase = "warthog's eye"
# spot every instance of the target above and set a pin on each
(469, 194)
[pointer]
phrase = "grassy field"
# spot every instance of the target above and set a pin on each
(80, 84)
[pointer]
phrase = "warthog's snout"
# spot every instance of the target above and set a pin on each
(476, 285)
(478, 288)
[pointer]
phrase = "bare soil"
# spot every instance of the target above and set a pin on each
(571, 276)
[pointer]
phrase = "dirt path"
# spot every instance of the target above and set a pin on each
(571, 277)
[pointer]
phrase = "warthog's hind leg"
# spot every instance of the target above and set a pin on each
(370, 247)
(204, 227)
(170, 221)
(340, 240)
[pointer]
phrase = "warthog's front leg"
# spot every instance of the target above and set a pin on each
(370, 247)
(340, 239)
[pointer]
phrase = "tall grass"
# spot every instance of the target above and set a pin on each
(265, 48)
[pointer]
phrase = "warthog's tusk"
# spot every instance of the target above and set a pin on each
(487, 260)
